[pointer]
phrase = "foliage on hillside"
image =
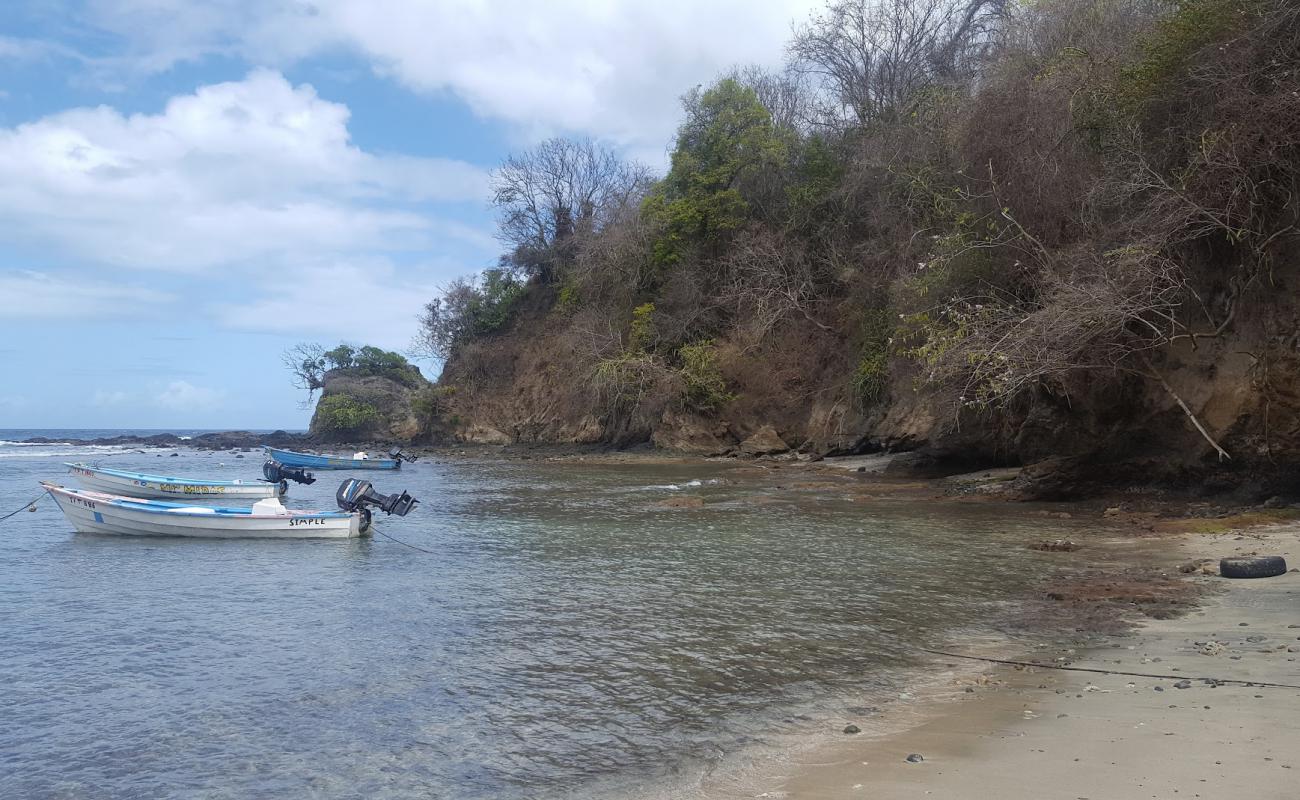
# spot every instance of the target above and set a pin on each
(972, 199)
(339, 413)
(310, 363)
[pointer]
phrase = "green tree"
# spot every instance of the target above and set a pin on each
(340, 357)
(725, 148)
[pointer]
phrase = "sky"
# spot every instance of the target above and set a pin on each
(189, 189)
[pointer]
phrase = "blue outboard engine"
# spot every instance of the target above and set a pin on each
(275, 472)
(356, 495)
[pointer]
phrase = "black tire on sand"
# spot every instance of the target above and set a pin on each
(1259, 567)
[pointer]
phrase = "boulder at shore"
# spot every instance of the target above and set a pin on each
(766, 442)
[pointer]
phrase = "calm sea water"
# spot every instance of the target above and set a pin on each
(568, 637)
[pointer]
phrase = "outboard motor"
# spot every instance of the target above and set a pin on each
(275, 472)
(356, 495)
(397, 455)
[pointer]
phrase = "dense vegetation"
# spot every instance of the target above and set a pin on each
(977, 200)
(309, 363)
(341, 413)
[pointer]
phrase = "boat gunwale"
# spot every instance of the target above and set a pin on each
(122, 473)
(182, 509)
(313, 460)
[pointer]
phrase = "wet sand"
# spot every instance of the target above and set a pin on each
(1042, 733)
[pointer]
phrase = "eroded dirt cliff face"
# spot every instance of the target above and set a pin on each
(533, 384)
(391, 416)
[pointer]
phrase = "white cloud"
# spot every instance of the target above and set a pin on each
(33, 294)
(248, 171)
(614, 70)
(366, 302)
(17, 49)
(185, 396)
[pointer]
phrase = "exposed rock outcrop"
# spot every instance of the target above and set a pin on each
(355, 406)
(765, 442)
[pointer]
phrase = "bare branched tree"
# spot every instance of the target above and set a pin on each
(874, 56)
(558, 190)
(786, 95)
(306, 362)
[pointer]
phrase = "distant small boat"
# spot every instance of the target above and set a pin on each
(138, 484)
(97, 512)
(359, 461)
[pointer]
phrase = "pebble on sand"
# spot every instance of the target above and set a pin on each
(915, 758)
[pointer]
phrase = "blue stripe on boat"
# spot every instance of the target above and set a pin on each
(141, 476)
(163, 507)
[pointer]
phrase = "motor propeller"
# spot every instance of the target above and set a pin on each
(275, 472)
(355, 494)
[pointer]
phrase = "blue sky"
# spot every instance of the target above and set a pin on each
(188, 189)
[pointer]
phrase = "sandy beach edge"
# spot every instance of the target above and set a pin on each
(1045, 733)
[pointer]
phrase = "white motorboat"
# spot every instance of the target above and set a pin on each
(98, 512)
(139, 484)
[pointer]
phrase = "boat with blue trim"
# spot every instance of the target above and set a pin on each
(289, 458)
(98, 512)
(139, 484)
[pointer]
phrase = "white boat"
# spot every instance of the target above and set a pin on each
(138, 484)
(98, 512)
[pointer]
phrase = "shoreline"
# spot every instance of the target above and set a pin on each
(1026, 733)
(999, 731)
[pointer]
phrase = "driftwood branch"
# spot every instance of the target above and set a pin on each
(1154, 373)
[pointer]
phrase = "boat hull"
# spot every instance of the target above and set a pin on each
(96, 512)
(291, 459)
(129, 484)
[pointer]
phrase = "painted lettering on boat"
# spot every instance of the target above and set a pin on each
(81, 501)
(306, 521)
(80, 471)
(180, 488)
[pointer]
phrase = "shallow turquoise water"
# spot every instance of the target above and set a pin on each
(569, 637)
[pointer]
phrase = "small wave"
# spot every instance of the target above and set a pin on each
(677, 487)
(66, 449)
(83, 445)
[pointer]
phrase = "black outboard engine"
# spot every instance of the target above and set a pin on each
(397, 455)
(356, 495)
(275, 472)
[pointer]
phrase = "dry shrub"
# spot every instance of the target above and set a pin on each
(767, 280)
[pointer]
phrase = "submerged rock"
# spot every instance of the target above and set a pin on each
(1056, 546)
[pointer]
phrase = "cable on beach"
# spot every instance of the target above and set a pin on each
(1109, 671)
(30, 505)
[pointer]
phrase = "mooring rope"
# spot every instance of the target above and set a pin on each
(1109, 671)
(30, 504)
(404, 544)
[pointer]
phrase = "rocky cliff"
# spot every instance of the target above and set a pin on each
(531, 384)
(357, 406)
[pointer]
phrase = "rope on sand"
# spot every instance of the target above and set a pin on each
(1109, 671)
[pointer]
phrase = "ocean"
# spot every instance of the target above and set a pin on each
(569, 635)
